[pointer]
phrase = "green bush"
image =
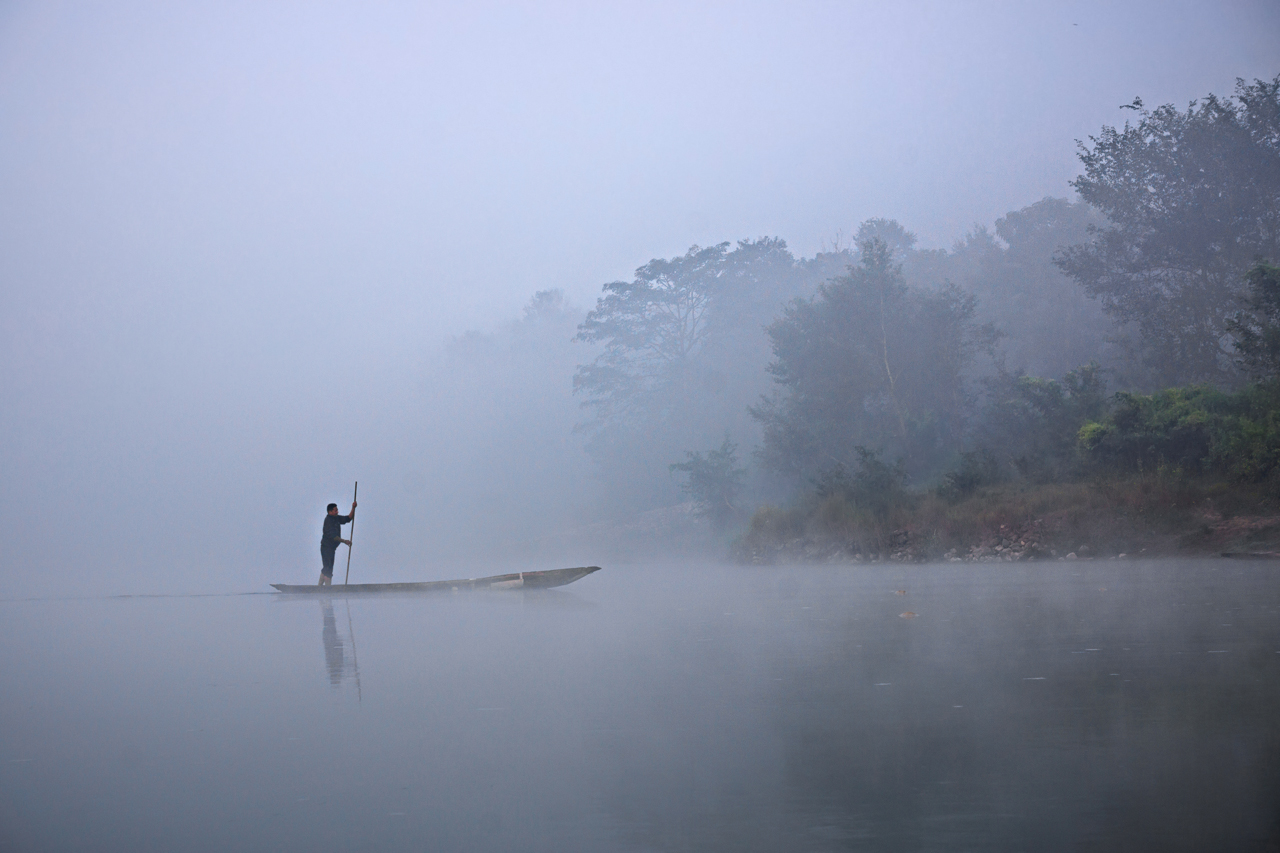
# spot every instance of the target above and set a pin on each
(1193, 430)
(1032, 423)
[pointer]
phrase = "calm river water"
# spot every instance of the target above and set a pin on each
(1061, 706)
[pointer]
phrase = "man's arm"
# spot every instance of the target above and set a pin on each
(350, 517)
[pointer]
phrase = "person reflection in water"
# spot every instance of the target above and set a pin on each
(331, 538)
(334, 656)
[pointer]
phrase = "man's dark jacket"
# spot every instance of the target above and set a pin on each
(333, 530)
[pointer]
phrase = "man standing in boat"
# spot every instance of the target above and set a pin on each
(331, 539)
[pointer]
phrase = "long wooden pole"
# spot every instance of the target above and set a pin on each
(352, 535)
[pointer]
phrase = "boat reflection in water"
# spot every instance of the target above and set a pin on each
(335, 652)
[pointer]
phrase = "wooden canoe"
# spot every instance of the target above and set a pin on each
(518, 580)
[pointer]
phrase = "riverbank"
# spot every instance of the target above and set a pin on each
(1154, 515)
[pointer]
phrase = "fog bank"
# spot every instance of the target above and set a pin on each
(243, 245)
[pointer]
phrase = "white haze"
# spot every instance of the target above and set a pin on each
(236, 239)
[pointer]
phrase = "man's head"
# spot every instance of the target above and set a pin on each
(333, 509)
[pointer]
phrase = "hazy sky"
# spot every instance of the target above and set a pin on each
(230, 232)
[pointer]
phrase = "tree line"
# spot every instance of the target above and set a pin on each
(1138, 324)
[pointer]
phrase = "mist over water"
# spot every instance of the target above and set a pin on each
(675, 707)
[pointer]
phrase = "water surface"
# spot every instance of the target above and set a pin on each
(668, 707)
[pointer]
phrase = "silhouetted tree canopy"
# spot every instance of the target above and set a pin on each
(1257, 329)
(649, 327)
(869, 362)
(1143, 281)
(684, 352)
(1031, 425)
(1193, 199)
(1048, 324)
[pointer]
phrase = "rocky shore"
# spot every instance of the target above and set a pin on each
(1058, 537)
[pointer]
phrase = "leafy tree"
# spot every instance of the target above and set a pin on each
(1032, 423)
(649, 326)
(1257, 329)
(1192, 199)
(927, 268)
(900, 242)
(683, 354)
(714, 482)
(1048, 324)
(869, 362)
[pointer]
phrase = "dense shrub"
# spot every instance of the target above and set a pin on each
(876, 488)
(714, 482)
(1257, 328)
(1031, 424)
(977, 469)
(1194, 430)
